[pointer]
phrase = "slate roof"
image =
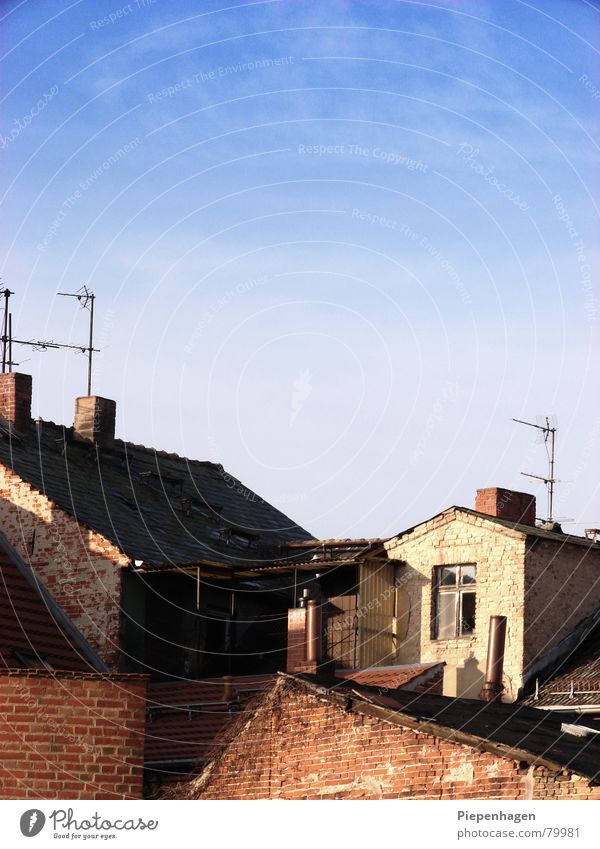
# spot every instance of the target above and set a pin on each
(575, 682)
(33, 629)
(156, 507)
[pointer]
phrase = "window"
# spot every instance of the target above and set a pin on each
(454, 601)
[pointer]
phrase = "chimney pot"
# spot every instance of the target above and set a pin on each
(15, 399)
(95, 420)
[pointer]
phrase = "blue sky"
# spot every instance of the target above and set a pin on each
(336, 247)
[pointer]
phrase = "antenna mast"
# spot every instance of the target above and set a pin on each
(86, 298)
(6, 357)
(549, 435)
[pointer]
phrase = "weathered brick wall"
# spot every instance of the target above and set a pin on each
(499, 555)
(562, 587)
(71, 736)
(79, 567)
(300, 747)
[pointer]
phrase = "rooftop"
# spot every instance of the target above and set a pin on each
(35, 633)
(158, 508)
(575, 681)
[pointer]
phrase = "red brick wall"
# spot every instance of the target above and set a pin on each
(15, 399)
(70, 736)
(79, 567)
(506, 504)
(301, 747)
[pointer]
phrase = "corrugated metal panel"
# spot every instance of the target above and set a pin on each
(342, 627)
(376, 614)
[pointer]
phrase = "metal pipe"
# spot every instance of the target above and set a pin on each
(492, 688)
(91, 344)
(314, 637)
(229, 694)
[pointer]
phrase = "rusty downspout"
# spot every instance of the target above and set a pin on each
(314, 640)
(493, 687)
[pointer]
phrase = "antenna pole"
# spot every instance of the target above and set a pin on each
(551, 480)
(7, 293)
(91, 342)
(86, 298)
(549, 434)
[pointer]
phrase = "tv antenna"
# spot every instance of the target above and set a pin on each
(548, 432)
(86, 298)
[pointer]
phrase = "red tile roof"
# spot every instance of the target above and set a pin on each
(31, 624)
(392, 677)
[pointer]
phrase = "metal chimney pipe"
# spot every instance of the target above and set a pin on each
(492, 688)
(229, 694)
(314, 647)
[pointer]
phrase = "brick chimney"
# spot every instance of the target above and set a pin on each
(15, 399)
(95, 420)
(518, 507)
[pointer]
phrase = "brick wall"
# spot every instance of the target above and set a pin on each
(499, 554)
(79, 567)
(300, 747)
(15, 399)
(507, 504)
(71, 736)
(562, 586)
(543, 587)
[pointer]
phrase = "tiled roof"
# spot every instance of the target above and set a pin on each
(156, 507)
(391, 677)
(32, 627)
(576, 680)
